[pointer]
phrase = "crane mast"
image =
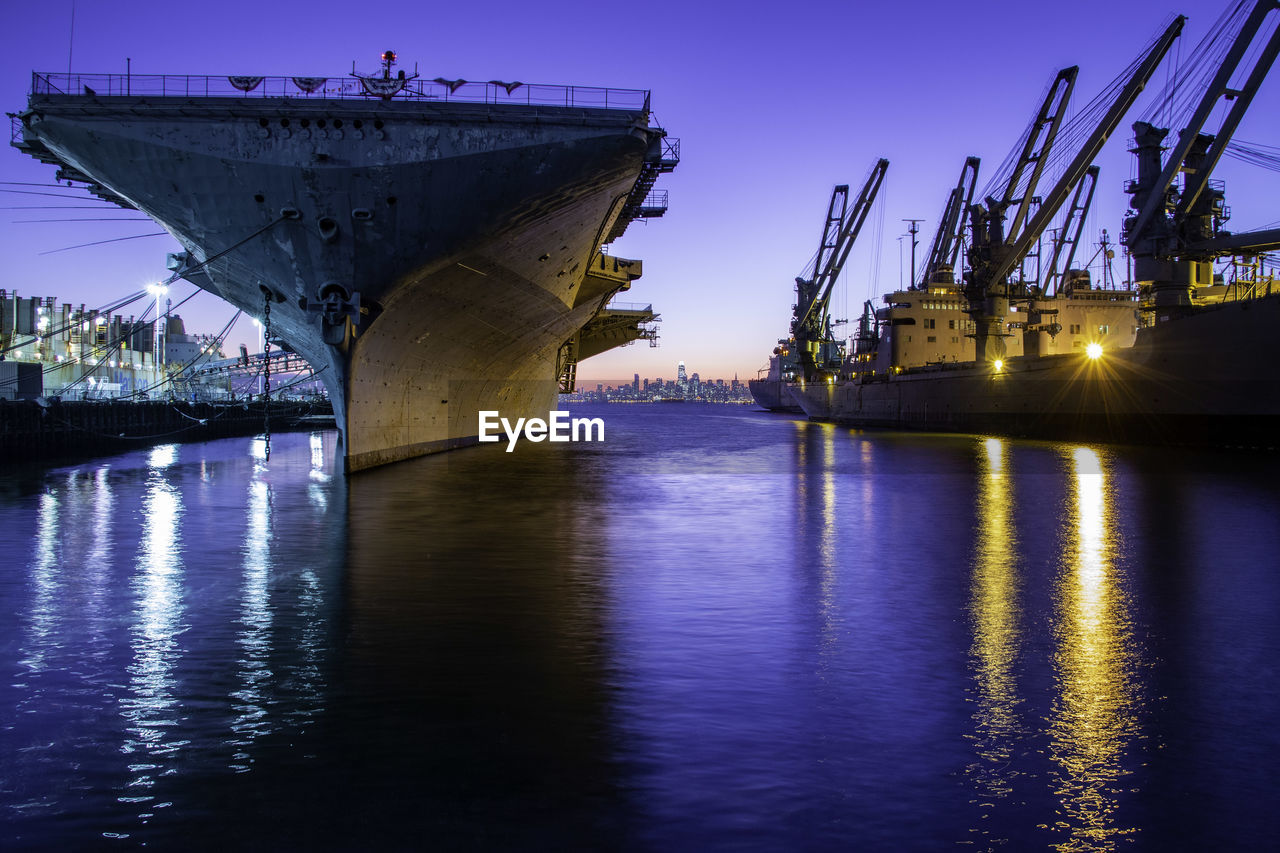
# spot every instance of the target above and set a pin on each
(811, 323)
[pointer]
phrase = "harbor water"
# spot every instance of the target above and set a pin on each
(718, 629)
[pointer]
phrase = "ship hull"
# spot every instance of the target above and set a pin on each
(430, 265)
(1206, 379)
(774, 395)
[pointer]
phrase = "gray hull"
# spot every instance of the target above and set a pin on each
(1209, 378)
(774, 395)
(430, 260)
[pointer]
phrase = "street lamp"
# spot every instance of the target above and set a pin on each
(157, 355)
(157, 290)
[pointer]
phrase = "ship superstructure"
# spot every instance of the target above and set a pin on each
(432, 248)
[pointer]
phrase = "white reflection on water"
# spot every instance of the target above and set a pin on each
(96, 605)
(318, 476)
(99, 557)
(994, 612)
(46, 603)
(151, 709)
(1093, 718)
(254, 636)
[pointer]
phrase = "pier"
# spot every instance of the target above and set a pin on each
(51, 428)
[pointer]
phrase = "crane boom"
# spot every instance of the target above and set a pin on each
(1071, 228)
(837, 212)
(992, 256)
(811, 325)
(947, 240)
(1216, 91)
(1035, 151)
(1089, 150)
(824, 278)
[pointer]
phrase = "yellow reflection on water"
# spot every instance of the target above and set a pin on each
(827, 548)
(817, 495)
(1093, 717)
(994, 611)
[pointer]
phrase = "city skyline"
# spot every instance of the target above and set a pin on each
(772, 110)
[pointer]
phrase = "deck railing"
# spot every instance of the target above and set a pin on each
(348, 87)
(638, 307)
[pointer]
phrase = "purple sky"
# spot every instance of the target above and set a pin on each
(774, 105)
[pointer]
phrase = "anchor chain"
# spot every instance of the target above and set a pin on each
(266, 371)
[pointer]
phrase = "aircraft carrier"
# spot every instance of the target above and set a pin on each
(433, 248)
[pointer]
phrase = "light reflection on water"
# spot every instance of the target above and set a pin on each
(254, 636)
(44, 572)
(152, 707)
(721, 629)
(997, 640)
(1094, 717)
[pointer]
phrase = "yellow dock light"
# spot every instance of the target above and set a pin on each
(998, 364)
(1094, 351)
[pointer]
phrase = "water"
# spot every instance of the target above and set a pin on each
(720, 629)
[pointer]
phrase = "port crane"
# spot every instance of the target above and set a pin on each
(820, 353)
(944, 252)
(1174, 233)
(996, 250)
(1067, 240)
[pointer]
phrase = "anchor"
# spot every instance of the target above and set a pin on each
(336, 306)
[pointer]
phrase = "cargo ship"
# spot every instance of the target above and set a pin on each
(812, 345)
(432, 248)
(1207, 377)
(1183, 355)
(771, 388)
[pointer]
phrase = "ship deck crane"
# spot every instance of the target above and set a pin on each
(1174, 234)
(948, 239)
(994, 251)
(1072, 229)
(811, 322)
